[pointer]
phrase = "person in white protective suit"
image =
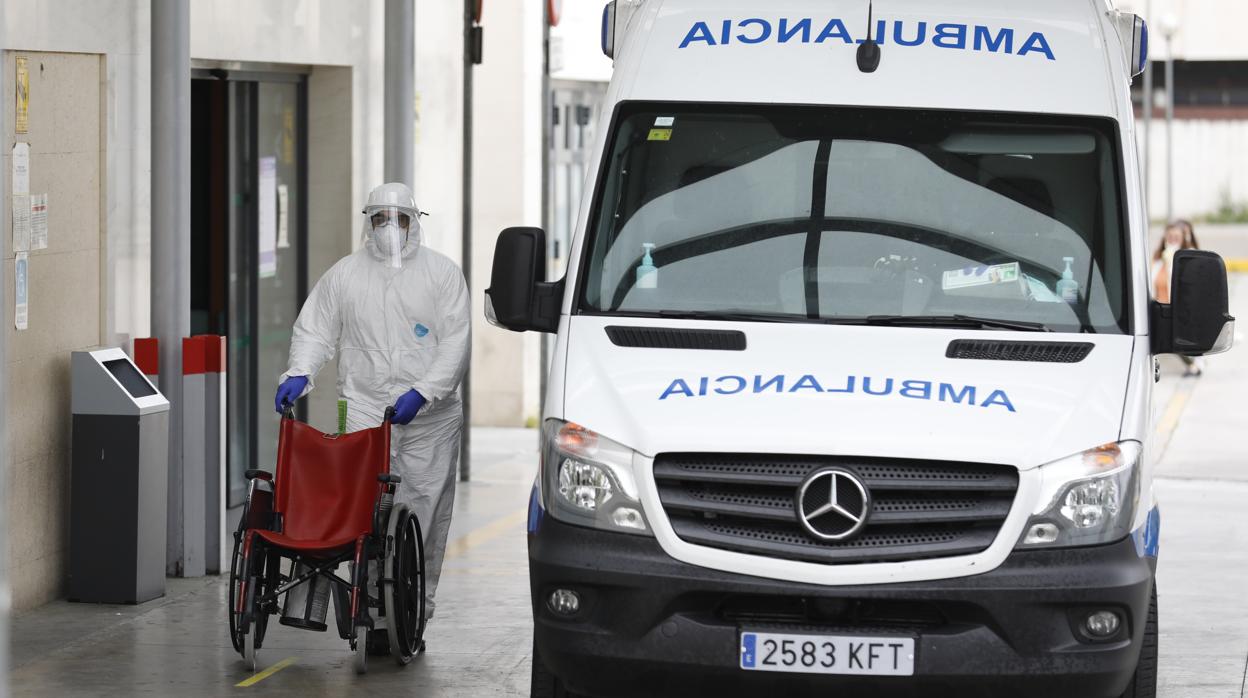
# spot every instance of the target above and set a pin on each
(398, 316)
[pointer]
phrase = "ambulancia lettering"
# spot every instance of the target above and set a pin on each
(951, 393)
(806, 30)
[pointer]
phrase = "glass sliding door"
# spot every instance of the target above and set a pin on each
(254, 123)
(279, 276)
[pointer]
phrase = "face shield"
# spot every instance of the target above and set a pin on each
(390, 228)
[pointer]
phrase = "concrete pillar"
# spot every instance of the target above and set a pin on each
(171, 229)
(465, 388)
(5, 596)
(400, 102)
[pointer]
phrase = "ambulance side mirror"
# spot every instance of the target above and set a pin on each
(1197, 320)
(519, 297)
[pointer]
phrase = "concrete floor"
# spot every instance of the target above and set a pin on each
(480, 643)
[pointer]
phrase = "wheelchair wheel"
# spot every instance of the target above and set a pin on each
(360, 650)
(249, 650)
(405, 590)
(241, 633)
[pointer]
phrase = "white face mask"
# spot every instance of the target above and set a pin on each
(390, 239)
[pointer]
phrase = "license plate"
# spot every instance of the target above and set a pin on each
(827, 654)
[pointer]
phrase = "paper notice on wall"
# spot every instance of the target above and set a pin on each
(21, 168)
(20, 264)
(21, 112)
(21, 222)
(39, 222)
(283, 217)
(268, 217)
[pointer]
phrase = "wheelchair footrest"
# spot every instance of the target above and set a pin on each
(303, 624)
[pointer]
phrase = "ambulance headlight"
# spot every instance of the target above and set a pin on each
(1086, 499)
(588, 480)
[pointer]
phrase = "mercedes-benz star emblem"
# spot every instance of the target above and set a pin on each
(833, 504)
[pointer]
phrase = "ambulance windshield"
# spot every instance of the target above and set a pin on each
(823, 214)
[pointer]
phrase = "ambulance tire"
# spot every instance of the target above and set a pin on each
(1144, 683)
(546, 684)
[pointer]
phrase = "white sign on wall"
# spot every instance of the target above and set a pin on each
(267, 210)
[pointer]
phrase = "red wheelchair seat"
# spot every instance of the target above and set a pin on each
(326, 486)
(315, 547)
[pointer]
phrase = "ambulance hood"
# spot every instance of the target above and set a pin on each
(845, 390)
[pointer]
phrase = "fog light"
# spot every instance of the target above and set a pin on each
(565, 602)
(1101, 624)
(1040, 534)
(628, 517)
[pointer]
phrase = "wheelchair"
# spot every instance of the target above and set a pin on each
(330, 501)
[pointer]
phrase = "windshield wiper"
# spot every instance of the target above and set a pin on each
(955, 321)
(727, 316)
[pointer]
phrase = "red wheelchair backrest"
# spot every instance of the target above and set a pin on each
(326, 486)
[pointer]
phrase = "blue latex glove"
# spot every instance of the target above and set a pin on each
(407, 407)
(289, 391)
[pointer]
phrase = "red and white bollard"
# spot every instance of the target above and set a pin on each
(216, 547)
(187, 484)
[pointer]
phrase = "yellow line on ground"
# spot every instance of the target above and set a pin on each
(486, 533)
(257, 678)
(1237, 264)
(1170, 418)
(1174, 410)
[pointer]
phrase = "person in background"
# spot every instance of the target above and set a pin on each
(1179, 236)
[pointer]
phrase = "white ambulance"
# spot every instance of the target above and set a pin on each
(852, 386)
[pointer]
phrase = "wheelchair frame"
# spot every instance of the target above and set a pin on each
(258, 581)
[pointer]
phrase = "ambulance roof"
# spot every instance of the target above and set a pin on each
(1056, 56)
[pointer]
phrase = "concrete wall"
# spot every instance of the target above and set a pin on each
(507, 170)
(118, 31)
(65, 308)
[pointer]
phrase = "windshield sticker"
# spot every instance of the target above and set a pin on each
(660, 134)
(980, 276)
(708, 386)
(665, 122)
(952, 35)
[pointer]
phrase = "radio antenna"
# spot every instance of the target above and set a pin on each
(869, 50)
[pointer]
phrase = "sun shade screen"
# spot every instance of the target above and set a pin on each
(130, 378)
(326, 486)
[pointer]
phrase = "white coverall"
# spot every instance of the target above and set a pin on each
(395, 330)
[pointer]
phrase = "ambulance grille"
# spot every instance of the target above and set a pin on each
(920, 509)
(676, 338)
(997, 350)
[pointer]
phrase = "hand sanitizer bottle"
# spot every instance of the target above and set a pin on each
(1067, 287)
(647, 273)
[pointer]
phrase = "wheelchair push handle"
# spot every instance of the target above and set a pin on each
(288, 412)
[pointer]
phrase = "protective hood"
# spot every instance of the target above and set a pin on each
(846, 390)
